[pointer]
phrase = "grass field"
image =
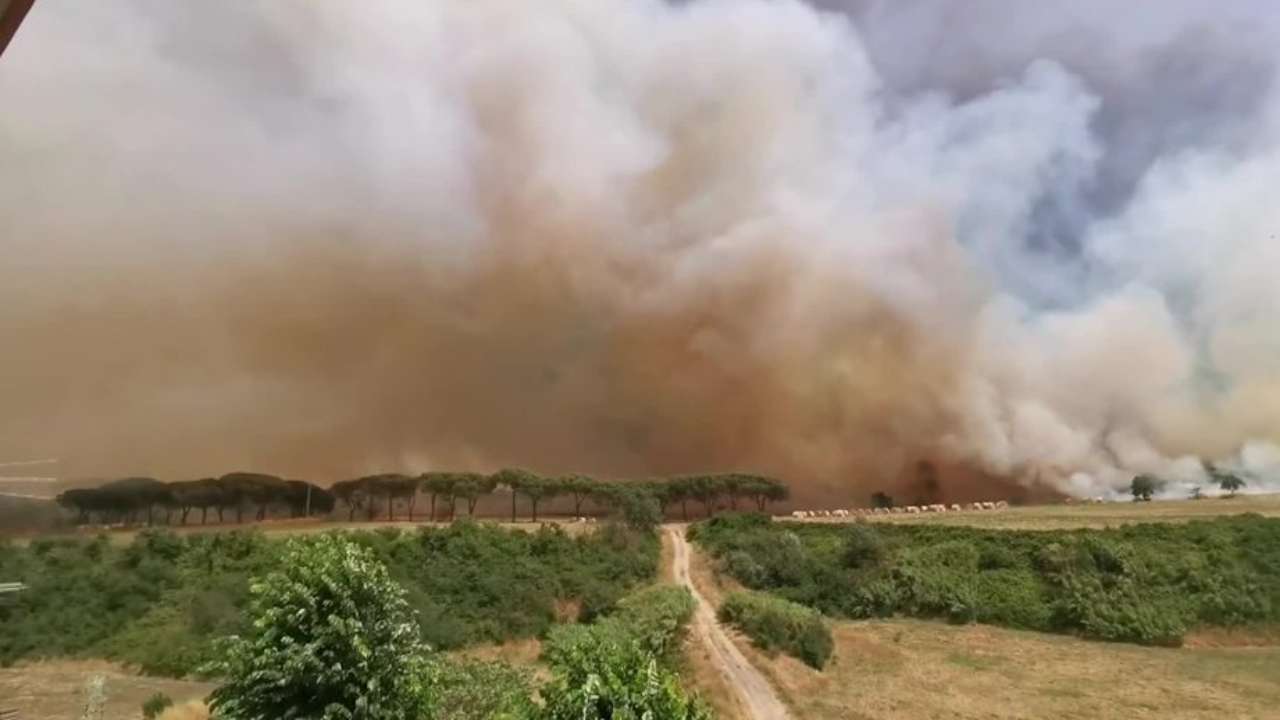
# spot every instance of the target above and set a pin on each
(1063, 517)
(916, 669)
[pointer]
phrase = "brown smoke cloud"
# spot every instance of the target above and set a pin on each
(618, 238)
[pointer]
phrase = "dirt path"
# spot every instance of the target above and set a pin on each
(756, 693)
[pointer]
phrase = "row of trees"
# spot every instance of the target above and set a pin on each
(445, 490)
(133, 499)
(1143, 487)
(387, 495)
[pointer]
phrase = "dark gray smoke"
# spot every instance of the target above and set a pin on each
(1033, 244)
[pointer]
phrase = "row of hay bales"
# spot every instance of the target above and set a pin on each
(901, 510)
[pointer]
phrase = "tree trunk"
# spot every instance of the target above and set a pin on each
(185, 511)
(413, 500)
(239, 513)
(684, 509)
(513, 506)
(471, 506)
(351, 512)
(391, 513)
(577, 505)
(150, 514)
(707, 505)
(221, 520)
(534, 502)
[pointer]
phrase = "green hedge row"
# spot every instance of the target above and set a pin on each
(1147, 584)
(777, 624)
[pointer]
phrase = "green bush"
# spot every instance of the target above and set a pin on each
(332, 638)
(471, 690)
(776, 624)
(864, 548)
(620, 667)
(652, 619)
(155, 705)
(159, 602)
(1148, 584)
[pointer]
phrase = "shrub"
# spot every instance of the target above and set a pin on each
(480, 691)
(777, 624)
(620, 666)
(744, 567)
(1144, 486)
(618, 683)
(155, 705)
(158, 602)
(332, 638)
(1141, 583)
(1013, 598)
(864, 549)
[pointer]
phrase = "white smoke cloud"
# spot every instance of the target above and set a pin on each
(641, 237)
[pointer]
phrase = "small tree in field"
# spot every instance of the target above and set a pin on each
(1228, 481)
(1231, 483)
(1144, 486)
(537, 489)
(332, 639)
(579, 487)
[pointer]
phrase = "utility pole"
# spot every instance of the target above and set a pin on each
(308, 514)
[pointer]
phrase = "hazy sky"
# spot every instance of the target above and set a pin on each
(1027, 241)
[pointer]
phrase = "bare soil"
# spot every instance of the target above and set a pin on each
(55, 690)
(757, 696)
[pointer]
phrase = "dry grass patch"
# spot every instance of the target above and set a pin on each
(55, 690)
(915, 669)
(517, 652)
(192, 710)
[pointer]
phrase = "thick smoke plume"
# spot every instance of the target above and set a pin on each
(1034, 245)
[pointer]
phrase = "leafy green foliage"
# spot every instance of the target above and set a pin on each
(637, 507)
(1141, 583)
(777, 624)
(472, 690)
(158, 603)
(155, 705)
(1144, 486)
(620, 666)
(332, 638)
(1231, 483)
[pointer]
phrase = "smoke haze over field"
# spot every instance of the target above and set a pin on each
(1036, 244)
